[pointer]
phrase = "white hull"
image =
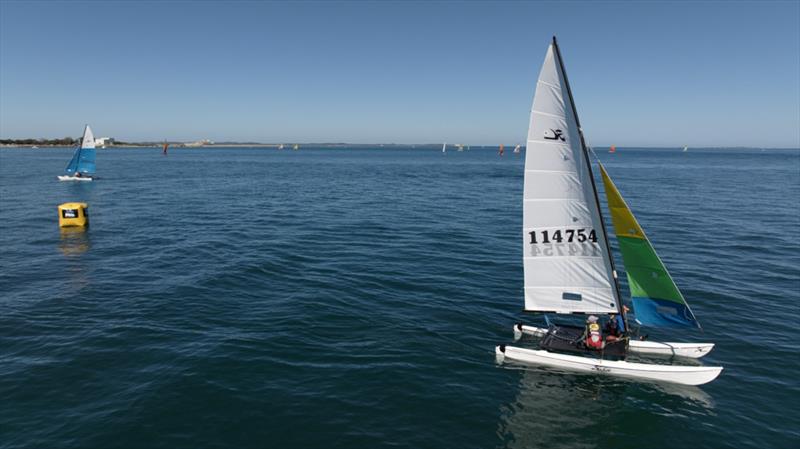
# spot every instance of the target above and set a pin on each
(74, 178)
(684, 375)
(668, 349)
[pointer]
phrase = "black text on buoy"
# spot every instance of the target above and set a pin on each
(73, 215)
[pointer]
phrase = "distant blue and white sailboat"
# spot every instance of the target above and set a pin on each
(82, 167)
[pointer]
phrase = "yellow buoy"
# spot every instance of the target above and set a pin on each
(73, 214)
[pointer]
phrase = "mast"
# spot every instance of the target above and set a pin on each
(594, 187)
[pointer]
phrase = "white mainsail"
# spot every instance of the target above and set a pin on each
(444, 147)
(568, 268)
(88, 138)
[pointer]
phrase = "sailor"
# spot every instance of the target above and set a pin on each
(78, 174)
(594, 338)
(612, 329)
(615, 327)
(621, 318)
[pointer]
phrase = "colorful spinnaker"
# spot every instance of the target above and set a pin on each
(656, 299)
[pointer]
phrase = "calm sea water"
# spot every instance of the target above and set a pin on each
(353, 298)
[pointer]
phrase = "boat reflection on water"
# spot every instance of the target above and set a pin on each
(73, 244)
(552, 409)
(692, 394)
(74, 241)
(556, 409)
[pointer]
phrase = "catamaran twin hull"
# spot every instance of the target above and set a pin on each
(684, 375)
(74, 178)
(654, 348)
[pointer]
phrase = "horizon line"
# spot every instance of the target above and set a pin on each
(197, 143)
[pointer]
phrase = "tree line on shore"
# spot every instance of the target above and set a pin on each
(65, 141)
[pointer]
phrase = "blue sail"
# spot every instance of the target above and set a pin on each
(86, 161)
(73, 163)
(82, 161)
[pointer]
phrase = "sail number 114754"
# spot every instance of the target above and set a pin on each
(563, 235)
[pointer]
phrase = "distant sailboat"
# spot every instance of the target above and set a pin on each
(517, 148)
(501, 150)
(296, 146)
(82, 166)
(685, 149)
(460, 147)
(613, 149)
(280, 147)
(444, 147)
(164, 150)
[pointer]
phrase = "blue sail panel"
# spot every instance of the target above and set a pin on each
(73, 163)
(86, 161)
(659, 312)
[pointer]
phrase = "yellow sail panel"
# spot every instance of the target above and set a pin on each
(625, 223)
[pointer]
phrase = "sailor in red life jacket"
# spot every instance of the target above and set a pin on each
(594, 338)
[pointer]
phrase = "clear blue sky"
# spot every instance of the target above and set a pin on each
(643, 73)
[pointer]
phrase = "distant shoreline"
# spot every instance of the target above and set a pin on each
(288, 147)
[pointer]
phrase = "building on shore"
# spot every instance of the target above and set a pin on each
(104, 142)
(199, 143)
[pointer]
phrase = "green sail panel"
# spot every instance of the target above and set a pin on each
(656, 299)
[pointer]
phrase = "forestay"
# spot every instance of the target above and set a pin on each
(568, 268)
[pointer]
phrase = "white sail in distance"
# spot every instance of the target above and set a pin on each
(88, 138)
(567, 262)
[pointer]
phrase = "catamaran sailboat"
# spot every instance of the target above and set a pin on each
(568, 264)
(81, 167)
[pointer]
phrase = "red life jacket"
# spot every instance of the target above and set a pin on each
(594, 340)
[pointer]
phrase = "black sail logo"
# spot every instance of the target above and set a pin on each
(554, 134)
